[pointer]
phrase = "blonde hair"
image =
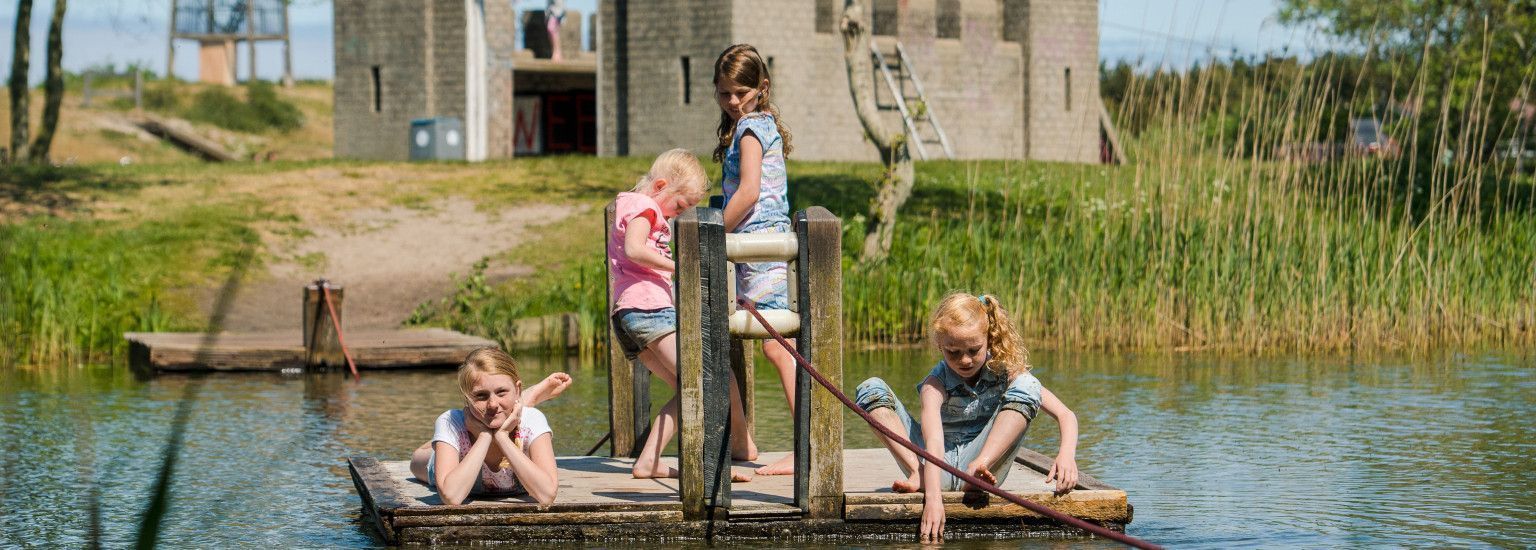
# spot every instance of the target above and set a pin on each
(682, 172)
(742, 64)
(486, 360)
(960, 310)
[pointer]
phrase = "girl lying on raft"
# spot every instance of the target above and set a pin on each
(498, 444)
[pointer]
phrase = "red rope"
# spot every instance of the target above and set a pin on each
(325, 292)
(968, 478)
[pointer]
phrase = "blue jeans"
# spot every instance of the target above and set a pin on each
(637, 329)
(875, 393)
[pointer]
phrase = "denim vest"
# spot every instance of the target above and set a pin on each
(967, 409)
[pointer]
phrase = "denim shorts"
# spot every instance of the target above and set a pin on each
(637, 329)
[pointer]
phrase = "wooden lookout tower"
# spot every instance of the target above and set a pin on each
(219, 26)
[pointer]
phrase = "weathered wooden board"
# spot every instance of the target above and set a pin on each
(599, 500)
(192, 351)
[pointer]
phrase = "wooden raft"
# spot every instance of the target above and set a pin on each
(599, 501)
(400, 348)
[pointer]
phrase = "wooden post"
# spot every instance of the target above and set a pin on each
(321, 346)
(819, 415)
(629, 383)
(250, 39)
(742, 369)
(703, 357)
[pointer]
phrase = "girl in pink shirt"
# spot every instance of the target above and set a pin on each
(644, 317)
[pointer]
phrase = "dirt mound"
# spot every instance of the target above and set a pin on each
(388, 259)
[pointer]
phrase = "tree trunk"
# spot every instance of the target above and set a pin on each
(21, 48)
(896, 181)
(53, 86)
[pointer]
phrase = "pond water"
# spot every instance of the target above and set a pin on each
(1213, 451)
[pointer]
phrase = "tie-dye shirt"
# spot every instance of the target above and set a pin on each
(772, 208)
(764, 283)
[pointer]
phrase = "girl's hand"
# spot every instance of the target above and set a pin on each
(1064, 473)
(514, 419)
(933, 521)
(473, 423)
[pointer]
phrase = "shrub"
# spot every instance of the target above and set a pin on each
(262, 110)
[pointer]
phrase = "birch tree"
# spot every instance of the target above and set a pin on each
(895, 184)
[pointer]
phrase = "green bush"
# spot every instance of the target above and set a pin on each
(266, 105)
(262, 110)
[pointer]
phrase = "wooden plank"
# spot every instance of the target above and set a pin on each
(377, 488)
(1041, 463)
(703, 342)
(404, 348)
(746, 379)
(821, 282)
(628, 388)
(1103, 506)
(690, 362)
(544, 518)
(600, 501)
(186, 139)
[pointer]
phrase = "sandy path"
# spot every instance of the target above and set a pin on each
(388, 259)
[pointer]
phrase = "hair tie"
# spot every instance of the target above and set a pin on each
(982, 298)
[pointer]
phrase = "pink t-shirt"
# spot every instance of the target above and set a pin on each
(636, 286)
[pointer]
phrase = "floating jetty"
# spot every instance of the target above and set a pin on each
(316, 343)
(258, 351)
(835, 494)
(600, 501)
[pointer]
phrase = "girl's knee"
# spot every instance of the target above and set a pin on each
(874, 393)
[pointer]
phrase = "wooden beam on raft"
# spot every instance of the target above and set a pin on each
(629, 383)
(704, 364)
(818, 414)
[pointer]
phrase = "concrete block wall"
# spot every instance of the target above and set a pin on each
(809, 80)
(974, 83)
(1063, 35)
(501, 45)
(660, 33)
(999, 89)
(419, 75)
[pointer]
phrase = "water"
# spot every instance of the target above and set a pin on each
(1213, 451)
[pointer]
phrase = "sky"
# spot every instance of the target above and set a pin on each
(1174, 33)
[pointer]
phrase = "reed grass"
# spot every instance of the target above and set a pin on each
(1218, 233)
(69, 289)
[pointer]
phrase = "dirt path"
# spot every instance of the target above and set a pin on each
(388, 259)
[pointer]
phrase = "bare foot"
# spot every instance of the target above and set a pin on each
(782, 467)
(985, 475)
(552, 385)
(747, 452)
(909, 485)
(670, 472)
(646, 473)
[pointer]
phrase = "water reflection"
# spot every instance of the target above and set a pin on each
(1214, 451)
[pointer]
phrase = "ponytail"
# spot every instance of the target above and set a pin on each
(1009, 356)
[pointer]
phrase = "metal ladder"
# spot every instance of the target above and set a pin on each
(896, 81)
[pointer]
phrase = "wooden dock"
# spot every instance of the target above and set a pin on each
(268, 351)
(599, 501)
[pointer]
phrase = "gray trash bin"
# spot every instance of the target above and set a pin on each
(439, 138)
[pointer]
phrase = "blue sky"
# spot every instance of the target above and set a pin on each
(1171, 32)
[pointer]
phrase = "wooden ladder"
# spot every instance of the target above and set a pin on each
(897, 73)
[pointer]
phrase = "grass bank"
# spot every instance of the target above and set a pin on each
(1198, 252)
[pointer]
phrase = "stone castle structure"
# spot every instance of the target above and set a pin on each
(1008, 79)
